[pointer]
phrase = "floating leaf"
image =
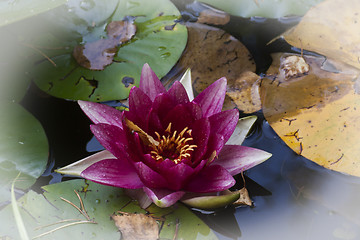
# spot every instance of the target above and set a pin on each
(211, 53)
(318, 114)
(264, 8)
(332, 28)
(15, 10)
(159, 41)
(136, 226)
(62, 214)
(12, 89)
(23, 148)
(243, 93)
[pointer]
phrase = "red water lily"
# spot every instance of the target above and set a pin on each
(166, 144)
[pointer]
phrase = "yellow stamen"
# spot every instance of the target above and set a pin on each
(175, 146)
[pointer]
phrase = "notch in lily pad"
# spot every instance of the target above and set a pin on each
(105, 45)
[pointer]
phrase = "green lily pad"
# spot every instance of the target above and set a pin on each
(263, 8)
(12, 89)
(16, 10)
(100, 202)
(159, 41)
(23, 148)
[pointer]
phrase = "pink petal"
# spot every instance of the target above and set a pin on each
(200, 166)
(162, 197)
(213, 178)
(194, 110)
(178, 176)
(150, 83)
(236, 158)
(153, 123)
(114, 139)
(149, 177)
(178, 93)
(139, 106)
(183, 115)
(224, 123)
(216, 143)
(212, 98)
(101, 113)
(160, 167)
(179, 117)
(162, 105)
(113, 172)
(200, 133)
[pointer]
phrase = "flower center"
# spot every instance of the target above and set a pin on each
(174, 146)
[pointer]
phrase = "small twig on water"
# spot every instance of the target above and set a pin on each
(41, 53)
(64, 226)
(176, 229)
(78, 221)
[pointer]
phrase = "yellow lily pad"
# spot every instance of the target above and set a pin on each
(244, 93)
(317, 114)
(211, 53)
(331, 28)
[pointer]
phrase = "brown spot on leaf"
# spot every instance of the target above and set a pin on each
(214, 17)
(99, 54)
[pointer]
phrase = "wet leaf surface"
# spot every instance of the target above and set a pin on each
(212, 53)
(16, 10)
(97, 55)
(318, 114)
(263, 8)
(100, 203)
(23, 148)
(136, 226)
(332, 29)
(159, 41)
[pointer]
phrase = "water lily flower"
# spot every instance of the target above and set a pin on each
(167, 144)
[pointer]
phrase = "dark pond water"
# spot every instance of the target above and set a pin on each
(293, 197)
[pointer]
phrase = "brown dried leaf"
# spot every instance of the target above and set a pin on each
(243, 93)
(244, 198)
(121, 30)
(211, 53)
(136, 226)
(97, 55)
(213, 16)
